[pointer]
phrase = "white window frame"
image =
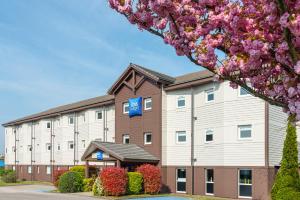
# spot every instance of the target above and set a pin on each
(29, 148)
(178, 133)
(147, 100)
(69, 145)
(206, 181)
(207, 93)
(49, 125)
(181, 180)
(125, 104)
(239, 184)
(48, 145)
(97, 113)
(244, 95)
(83, 144)
(58, 147)
(69, 120)
(240, 127)
(211, 133)
(29, 169)
(48, 170)
(124, 137)
(179, 99)
(38, 169)
(14, 168)
(145, 138)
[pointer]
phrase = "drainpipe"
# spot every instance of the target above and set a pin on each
(31, 163)
(104, 127)
(75, 137)
(192, 137)
(15, 132)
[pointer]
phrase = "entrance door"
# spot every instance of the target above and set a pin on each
(181, 180)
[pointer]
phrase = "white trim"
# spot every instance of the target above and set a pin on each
(183, 180)
(210, 194)
(208, 92)
(124, 105)
(69, 145)
(49, 125)
(29, 169)
(124, 137)
(239, 132)
(245, 197)
(48, 170)
(69, 120)
(212, 133)
(147, 100)
(239, 92)
(98, 112)
(181, 133)
(145, 138)
(179, 99)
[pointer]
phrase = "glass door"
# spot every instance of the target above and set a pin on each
(181, 180)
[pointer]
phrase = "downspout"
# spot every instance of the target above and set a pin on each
(192, 137)
(104, 128)
(51, 148)
(15, 132)
(31, 163)
(75, 137)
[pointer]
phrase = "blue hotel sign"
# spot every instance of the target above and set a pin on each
(99, 155)
(135, 107)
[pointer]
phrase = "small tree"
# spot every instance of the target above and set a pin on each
(287, 182)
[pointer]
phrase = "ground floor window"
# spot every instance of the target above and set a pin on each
(245, 183)
(181, 180)
(48, 170)
(209, 181)
(29, 169)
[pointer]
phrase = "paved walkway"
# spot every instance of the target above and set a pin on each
(38, 192)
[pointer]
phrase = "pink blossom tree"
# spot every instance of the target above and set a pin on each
(253, 44)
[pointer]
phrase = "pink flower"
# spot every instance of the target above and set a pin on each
(297, 67)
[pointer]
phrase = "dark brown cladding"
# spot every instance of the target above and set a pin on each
(150, 121)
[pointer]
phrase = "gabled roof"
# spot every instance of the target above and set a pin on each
(88, 103)
(122, 152)
(156, 76)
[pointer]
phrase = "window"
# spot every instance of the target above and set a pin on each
(245, 183)
(14, 168)
(126, 108)
(83, 144)
(148, 103)
(48, 147)
(70, 145)
(13, 149)
(210, 95)
(71, 120)
(180, 137)
(29, 148)
(126, 139)
(58, 147)
(181, 102)
(181, 180)
(148, 138)
(29, 169)
(98, 114)
(5, 150)
(209, 136)
(209, 181)
(245, 131)
(48, 124)
(48, 170)
(243, 92)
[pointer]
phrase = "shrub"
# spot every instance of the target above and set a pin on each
(79, 169)
(2, 171)
(56, 175)
(9, 177)
(152, 178)
(135, 182)
(287, 182)
(114, 180)
(98, 188)
(5, 171)
(88, 184)
(70, 182)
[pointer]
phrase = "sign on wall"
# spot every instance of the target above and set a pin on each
(135, 107)
(99, 155)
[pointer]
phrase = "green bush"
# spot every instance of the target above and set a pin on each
(2, 171)
(79, 169)
(70, 182)
(135, 182)
(9, 177)
(98, 189)
(88, 184)
(287, 181)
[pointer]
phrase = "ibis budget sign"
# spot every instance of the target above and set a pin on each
(135, 107)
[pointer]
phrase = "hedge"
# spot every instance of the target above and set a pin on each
(9, 177)
(287, 181)
(98, 188)
(135, 182)
(88, 184)
(56, 175)
(152, 178)
(79, 169)
(70, 182)
(114, 181)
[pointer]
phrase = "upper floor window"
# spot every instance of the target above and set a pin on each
(180, 137)
(126, 108)
(70, 145)
(243, 92)
(83, 144)
(181, 102)
(245, 131)
(48, 124)
(126, 139)
(29, 148)
(58, 147)
(148, 138)
(71, 120)
(148, 104)
(98, 114)
(209, 136)
(48, 147)
(210, 95)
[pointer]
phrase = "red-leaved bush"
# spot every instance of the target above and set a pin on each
(114, 181)
(56, 175)
(152, 178)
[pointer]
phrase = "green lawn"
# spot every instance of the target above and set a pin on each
(196, 197)
(2, 184)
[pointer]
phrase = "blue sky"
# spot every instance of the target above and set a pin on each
(54, 52)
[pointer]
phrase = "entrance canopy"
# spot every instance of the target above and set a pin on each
(120, 153)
